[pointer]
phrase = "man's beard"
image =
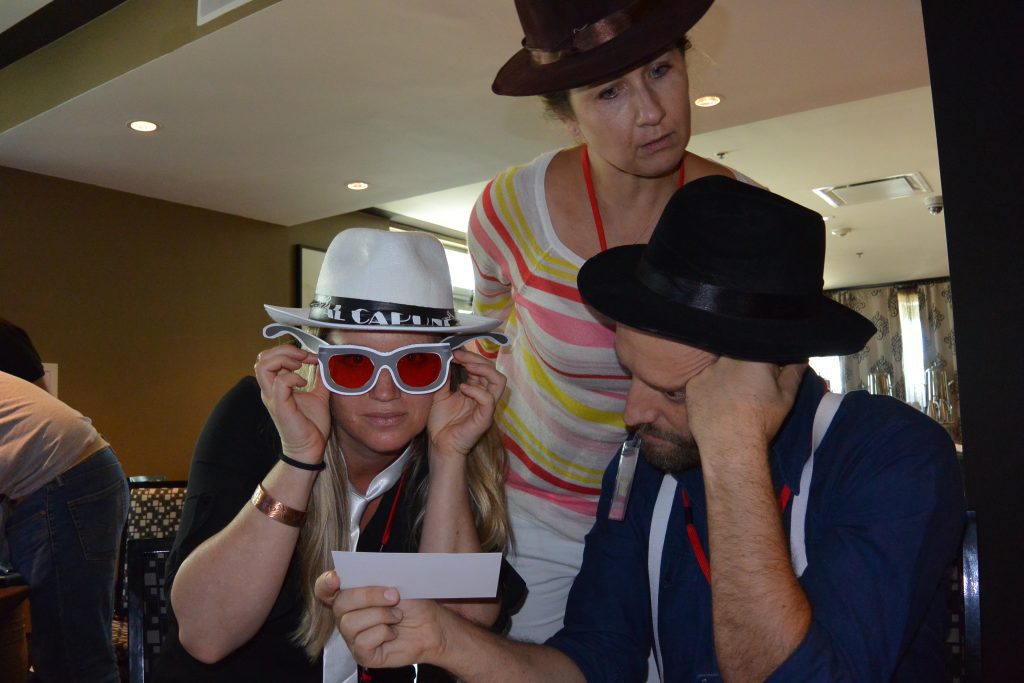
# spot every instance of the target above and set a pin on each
(672, 453)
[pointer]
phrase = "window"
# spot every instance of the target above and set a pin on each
(461, 267)
(913, 346)
(830, 369)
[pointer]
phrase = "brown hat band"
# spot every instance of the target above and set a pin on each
(589, 36)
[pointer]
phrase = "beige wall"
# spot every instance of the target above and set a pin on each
(151, 309)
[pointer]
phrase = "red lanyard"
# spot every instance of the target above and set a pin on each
(691, 531)
(598, 223)
(391, 515)
(364, 675)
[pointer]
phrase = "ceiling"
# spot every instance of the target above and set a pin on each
(270, 116)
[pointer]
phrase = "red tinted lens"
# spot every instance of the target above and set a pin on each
(418, 370)
(350, 370)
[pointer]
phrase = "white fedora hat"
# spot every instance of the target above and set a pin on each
(379, 280)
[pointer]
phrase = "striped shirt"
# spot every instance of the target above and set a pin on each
(561, 418)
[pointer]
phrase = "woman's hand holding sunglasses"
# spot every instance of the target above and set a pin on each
(303, 418)
(459, 418)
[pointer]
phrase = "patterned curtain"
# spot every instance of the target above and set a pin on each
(928, 312)
(937, 316)
(884, 352)
(936, 302)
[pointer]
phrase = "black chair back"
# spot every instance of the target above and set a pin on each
(972, 602)
(147, 603)
(154, 511)
(963, 643)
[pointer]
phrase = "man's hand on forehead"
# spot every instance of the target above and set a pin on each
(734, 404)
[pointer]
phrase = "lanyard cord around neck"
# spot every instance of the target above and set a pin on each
(386, 536)
(691, 531)
(588, 179)
(364, 675)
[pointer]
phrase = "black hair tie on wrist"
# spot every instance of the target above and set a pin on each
(303, 465)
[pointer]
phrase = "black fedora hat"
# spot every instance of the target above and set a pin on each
(732, 269)
(571, 43)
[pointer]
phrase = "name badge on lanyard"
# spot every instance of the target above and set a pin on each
(628, 455)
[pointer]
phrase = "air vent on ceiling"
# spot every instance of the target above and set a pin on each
(208, 10)
(893, 187)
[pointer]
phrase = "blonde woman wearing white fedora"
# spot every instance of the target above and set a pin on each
(379, 451)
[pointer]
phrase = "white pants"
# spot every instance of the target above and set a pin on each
(548, 563)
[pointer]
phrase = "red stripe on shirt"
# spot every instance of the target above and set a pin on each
(550, 478)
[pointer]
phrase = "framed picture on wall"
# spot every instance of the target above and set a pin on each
(307, 269)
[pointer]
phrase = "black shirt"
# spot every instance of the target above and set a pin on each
(238, 446)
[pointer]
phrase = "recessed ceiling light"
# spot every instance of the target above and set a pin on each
(358, 185)
(707, 100)
(841, 232)
(143, 126)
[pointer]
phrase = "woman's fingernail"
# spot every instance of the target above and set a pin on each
(390, 594)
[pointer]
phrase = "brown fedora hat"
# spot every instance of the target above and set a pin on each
(571, 43)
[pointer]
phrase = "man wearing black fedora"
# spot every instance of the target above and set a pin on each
(771, 529)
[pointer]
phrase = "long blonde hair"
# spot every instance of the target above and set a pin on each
(327, 519)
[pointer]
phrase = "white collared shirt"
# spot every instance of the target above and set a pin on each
(339, 666)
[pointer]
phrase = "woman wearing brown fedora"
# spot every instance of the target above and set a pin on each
(386, 445)
(614, 72)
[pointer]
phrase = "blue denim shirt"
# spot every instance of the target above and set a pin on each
(884, 519)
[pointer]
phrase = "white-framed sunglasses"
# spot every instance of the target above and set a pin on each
(352, 370)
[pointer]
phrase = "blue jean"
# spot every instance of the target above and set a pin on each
(64, 539)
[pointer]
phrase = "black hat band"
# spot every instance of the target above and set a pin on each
(724, 301)
(334, 309)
